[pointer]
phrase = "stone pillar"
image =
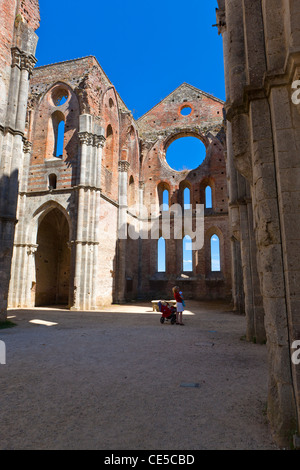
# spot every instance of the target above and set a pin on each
(91, 137)
(142, 228)
(122, 232)
(259, 109)
(20, 286)
(11, 151)
(281, 402)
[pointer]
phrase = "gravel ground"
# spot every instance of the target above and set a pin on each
(119, 380)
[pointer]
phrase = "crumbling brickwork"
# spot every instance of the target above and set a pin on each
(64, 194)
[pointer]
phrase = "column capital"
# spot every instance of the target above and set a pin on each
(123, 166)
(99, 140)
(94, 140)
(27, 146)
(22, 60)
(86, 138)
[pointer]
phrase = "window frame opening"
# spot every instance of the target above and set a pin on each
(187, 205)
(185, 152)
(187, 251)
(208, 189)
(161, 255)
(59, 128)
(52, 181)
(215, 254)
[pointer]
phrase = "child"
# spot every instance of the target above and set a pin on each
(179, 305)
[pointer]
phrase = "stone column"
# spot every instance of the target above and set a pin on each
(142, 228)
(11, 151)
(92, 139)
(122, 232)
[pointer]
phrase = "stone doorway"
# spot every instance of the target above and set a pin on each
(53, 260)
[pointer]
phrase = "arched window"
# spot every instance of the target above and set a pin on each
(161, 255)
(208, 197)
(131, 192)
(109, 131)
(60, 139)
(58, 125)
(165, 201)
(215, 253)
(187, 254)
(187, 198)
(52, 181)
(108, 151)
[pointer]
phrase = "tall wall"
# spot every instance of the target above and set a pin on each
(158, 129)
(18, 22)
(80, 181)
(262, 59)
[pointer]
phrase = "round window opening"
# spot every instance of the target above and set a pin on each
(186, 153)
(59, 96)
(186, 110)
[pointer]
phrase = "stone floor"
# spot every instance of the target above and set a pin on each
(119, 380)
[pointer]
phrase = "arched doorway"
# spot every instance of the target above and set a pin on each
(53, 260)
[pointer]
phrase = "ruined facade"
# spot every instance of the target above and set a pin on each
(110, 171)
(75, 166)
(262, 61)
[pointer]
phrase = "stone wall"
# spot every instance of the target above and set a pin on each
(158, 128)
(17, 49)
(262, 53)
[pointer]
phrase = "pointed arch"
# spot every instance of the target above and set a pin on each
(187, 254)
(163, 193)
(215, 253)
(161, 255)
(214, 250)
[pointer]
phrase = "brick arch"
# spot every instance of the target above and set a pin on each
(109, 100)
(182, 186)
(161, 187)
(208, 181)
(111, 118)
(178, 134)
(132, 199)
(214, 230)
(41, 212)
(42, 130)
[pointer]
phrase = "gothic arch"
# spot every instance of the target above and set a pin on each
(53, 255)
(39, 215)
(215, 230)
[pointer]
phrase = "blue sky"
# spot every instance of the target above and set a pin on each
(147, 49)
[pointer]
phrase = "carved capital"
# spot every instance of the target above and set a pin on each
(99, 141)
(91, 139)
(16, 57)
(28, 62)
(123, 166)
(27, 146)
(22, 60)
(86, 138)
(31, 249)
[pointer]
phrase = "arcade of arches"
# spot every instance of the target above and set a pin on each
(75, 167)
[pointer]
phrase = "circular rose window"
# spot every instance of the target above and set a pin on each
(59, 96)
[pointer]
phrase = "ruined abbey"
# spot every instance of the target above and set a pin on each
(75, 166)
